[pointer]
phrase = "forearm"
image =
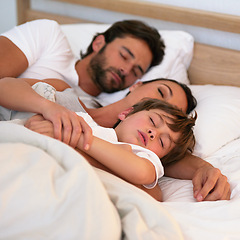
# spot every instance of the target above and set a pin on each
(16, 94)
(123, 163)
(155, 192)
(185, 168)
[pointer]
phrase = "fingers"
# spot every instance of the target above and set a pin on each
(64, 125)
(32, 119)
(72, 127)
(197, 186)
(76, 132)
(211, 185)
(221, 191)
(87, 131)
(208, 189)
(43, 127)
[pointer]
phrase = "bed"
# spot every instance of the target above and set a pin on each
(49, 191)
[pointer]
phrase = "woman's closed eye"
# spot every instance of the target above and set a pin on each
(161, 93)
(165, 91)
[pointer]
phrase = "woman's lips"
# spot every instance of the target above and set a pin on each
(143, 137)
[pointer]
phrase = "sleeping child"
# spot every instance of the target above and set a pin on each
(149, 135)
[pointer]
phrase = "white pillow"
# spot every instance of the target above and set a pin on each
(178, 54)
(218, 121)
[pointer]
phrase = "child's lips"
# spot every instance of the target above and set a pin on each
(143, 137)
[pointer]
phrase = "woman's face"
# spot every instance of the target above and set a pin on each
(164, 90)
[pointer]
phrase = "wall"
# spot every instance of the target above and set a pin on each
(8, 17)
(212, 37)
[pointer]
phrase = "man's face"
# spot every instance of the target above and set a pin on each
(119, 64)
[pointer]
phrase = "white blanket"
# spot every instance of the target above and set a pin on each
(49, 191)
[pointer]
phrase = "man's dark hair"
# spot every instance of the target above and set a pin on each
(135, 29)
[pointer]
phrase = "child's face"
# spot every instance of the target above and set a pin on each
(149, 130)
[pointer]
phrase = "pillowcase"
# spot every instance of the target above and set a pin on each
(218, 121)
(178, 54)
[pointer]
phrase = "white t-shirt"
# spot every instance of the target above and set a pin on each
(109, 135)
(48, 53)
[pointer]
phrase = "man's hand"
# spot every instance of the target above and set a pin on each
(39, 124)
(67, 126)
(209, 184)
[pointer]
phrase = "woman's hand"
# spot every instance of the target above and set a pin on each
(209, 184)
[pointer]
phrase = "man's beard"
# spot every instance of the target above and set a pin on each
(99, 75)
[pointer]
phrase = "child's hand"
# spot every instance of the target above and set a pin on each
(39, 124)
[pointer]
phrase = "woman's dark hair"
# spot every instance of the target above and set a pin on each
(135, 29)
(191, 100)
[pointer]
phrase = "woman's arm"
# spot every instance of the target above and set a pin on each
(209, 183)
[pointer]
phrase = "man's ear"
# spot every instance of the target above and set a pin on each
(98, 43)
(123, 115)
(135, 85)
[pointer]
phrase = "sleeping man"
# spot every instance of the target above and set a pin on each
(114, 60)
(208, 182)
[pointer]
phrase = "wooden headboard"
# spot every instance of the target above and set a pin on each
(210, 65)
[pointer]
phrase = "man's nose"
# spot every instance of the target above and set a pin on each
(125, 70)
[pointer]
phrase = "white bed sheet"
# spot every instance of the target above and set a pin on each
(49, 191)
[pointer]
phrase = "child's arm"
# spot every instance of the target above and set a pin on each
(17, 94)
(39, 124)
(121, 161)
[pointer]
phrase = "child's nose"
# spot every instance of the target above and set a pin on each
(152, 134)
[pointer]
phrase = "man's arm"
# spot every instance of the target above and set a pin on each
(209, 183)
(17, 94)
(13, 62)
